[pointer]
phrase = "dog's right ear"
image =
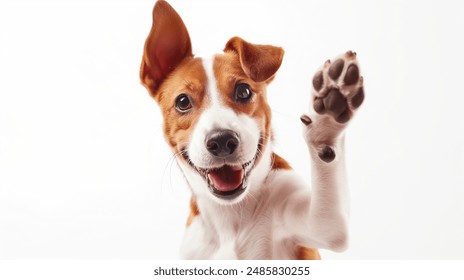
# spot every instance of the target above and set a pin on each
(167, 44)
(259, 62)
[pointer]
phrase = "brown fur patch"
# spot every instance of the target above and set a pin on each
(304, 253)
(193, 211)
(279, 163)
(228, 73)
(189, 78)
(260, 62)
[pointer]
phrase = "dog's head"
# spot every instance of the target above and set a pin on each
(216, 117)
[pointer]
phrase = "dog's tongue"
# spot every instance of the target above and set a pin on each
(226, 178)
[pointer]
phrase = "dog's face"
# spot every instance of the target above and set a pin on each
(216, 117)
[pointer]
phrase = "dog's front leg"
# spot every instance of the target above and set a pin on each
(338, 92)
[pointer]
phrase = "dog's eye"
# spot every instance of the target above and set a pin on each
(183, 103)
(242, 93)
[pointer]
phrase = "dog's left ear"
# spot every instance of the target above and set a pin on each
(259, 62)
(167, 45)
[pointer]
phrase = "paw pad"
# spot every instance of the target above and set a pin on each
(338, 88)
(327, 154)
(336, 69)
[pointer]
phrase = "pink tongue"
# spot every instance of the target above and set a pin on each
(226, 178)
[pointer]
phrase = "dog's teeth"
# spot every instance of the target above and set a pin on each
(236, 168)
(244, 183)
(248, 166)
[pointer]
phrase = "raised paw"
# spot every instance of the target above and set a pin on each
(338, 88)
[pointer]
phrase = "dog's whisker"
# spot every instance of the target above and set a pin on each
(168, 165)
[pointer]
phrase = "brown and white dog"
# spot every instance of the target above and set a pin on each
(247, 202)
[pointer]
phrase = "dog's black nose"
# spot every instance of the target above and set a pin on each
(222, 143)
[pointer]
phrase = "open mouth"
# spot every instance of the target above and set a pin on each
(227, 182)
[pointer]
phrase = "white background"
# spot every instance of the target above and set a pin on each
(84, 169)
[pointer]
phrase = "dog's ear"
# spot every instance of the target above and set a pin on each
(167, 44)
(259, 62)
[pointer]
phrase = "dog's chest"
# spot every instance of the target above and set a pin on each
(230, 238)
(245, 233)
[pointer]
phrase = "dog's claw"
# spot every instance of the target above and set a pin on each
(306, 120)
(351, 53)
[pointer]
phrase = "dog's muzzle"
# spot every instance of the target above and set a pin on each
(228, 174)
(226, 181)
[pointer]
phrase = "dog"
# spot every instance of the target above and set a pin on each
(247, 202)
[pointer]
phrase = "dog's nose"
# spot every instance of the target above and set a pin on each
(222, 143)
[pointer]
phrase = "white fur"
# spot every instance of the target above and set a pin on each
(277, 215)
(246, 128)
(278, 212)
